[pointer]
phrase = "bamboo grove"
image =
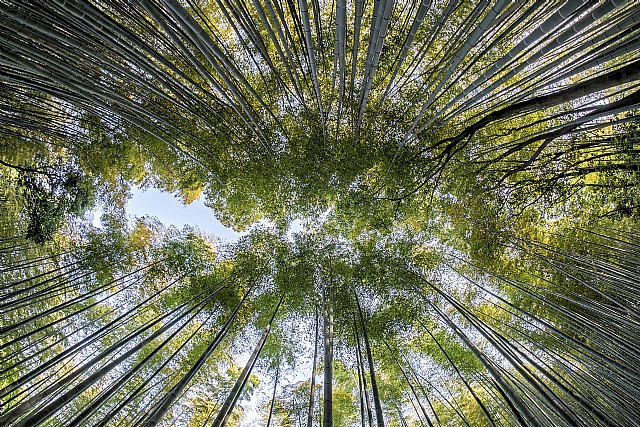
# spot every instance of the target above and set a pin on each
(466, 175)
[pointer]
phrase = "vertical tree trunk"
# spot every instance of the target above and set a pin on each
(93, 406)
(165, 403)
(464, 380)
(273, 397)
(74, 348)
(313, 375)
(47, 410)
(327, 420)
(519, 408)
(374, 384)
(234, 395)
(356, 338)
(409, 383)
(401, 417)
(363, 374)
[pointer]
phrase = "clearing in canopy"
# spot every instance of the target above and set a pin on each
(438, 204)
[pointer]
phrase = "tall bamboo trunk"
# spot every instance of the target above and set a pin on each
(313, 374)
(362, 384)
(44, 412)
(273, 396)
(464, 380)
(327, 419)
(622, 75)
(165, 403)
(372, 373)
(410, 384)
(367, 400)
(234, 395)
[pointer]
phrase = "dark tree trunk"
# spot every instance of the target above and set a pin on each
(626, 74)
(312, 393)
(327, 420)
(374, 385)
(273, 396)
(234, 395)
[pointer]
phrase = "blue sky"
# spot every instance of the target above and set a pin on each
(170, 210)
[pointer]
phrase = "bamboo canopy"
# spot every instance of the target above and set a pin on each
(433, 120)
